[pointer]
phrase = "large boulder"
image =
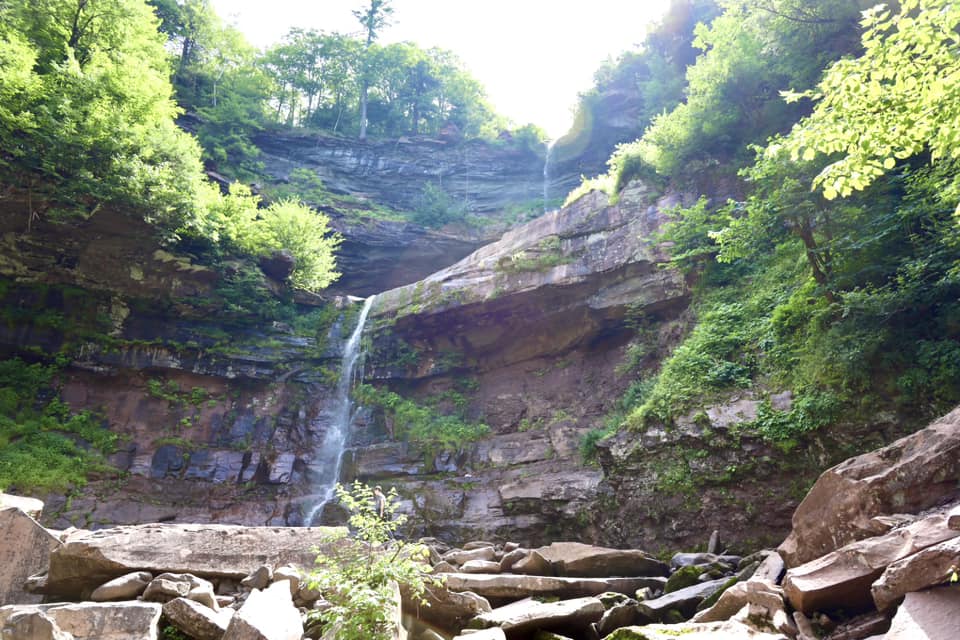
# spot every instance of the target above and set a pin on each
(524, 616)
(842, 579)
(912, 474)
(927, 615)
(583, 560)
(96, 620)
(756, 592)
(25, 551)
(267, 615)
(927, 568)
(196, 620)
(444, 608)
(125, 587)
(89, 558)
(520, 586)
(30, 506)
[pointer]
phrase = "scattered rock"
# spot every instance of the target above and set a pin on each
(165, 590)
(701, 559)
(443, 567)
(841, 579)
(25, 551)
(927, 568)
(933, 614)
(619, 615)
(267, 614)
(291, 575)
(728, 630)
(533, 564)
(126, 587)
(480, 566)
(911, 474)
(731, 601)
(196, 620)
(32, 625)
(525, 616)
(682, 578)
(259, 579)
(507, 585)
(587, 561)
(461, 557)
(494, 633)
(860, 627)
(97, 620)
(447, 609)
(684, 601)
(510, 558)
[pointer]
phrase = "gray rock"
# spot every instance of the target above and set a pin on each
(933, 614)
(97, 620)
(698, 559)
(909, 475)
(493, 633)
(126, 587)
(684, 601)
(446, 609)
(259, 579)
(290, 574)
(89, 558)
(926, 568)
(267, 615)
(727, 630)
(510, 558)
(623, 614)
(197, 620)
(30, 506)
(521, 586)
(480, 566)
(527, 615)
(25, 551)
(533, 564)
(460, 557)
(759, 592)
(32, 625)
(841, 579)
(443, 567)
(165, 590)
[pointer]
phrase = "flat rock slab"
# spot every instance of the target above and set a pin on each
(587, 561)
(683, 600)
(30, 506)
(98, 620)
(196, 620)
(927, 615)
(842, 579)
(729, 630)
(494, 633)
(25, 550)
(525, 616)
(520, 586)
(927, 568)
(87, 559)
(907, 476)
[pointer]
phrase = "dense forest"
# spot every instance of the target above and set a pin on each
(833, 270)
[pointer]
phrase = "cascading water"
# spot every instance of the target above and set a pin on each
(546, 177)
(330, 457)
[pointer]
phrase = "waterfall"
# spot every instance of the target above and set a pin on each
(546, 176)
(330, 455)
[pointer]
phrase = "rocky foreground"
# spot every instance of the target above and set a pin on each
(875, 553)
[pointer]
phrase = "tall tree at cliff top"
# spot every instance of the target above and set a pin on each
(86, 114)
(374, 17)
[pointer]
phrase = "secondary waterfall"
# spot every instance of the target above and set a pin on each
(330, 457)
(546, 177)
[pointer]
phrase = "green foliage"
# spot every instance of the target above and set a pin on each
(896, 100)
(283, 225)
(547, 253)
(436, 208)
(422, 426)
(43, 445)
(87, 115)
(358, 575)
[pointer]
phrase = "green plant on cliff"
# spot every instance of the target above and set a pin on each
(425, 427)
(359, 575)
(43, 444)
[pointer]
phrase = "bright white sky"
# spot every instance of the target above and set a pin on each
(533, 56)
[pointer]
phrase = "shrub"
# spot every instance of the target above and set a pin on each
(358, 575)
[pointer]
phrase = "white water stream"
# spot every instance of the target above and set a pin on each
(330, 457)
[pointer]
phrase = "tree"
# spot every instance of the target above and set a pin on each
(358, 576)
(373, 18)
(88, 114)
(900, 98)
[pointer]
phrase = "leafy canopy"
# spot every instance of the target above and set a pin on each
(901, 97)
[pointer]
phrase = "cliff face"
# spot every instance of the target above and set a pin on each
(483, 177)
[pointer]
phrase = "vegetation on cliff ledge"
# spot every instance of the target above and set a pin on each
(836, 275)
